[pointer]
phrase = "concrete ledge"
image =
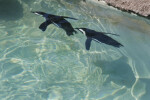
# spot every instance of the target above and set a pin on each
(140, 7)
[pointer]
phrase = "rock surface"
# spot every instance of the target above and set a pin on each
(141, 7)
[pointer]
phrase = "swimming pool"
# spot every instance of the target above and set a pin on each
(50, 65)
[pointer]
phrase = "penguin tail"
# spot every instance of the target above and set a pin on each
(70, 32)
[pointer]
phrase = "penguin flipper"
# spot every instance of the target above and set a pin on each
(44, 25)
(88, 43)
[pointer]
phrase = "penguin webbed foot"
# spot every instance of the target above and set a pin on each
(119, 45)
(69, 33)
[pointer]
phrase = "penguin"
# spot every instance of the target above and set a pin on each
(99, 37)
(58, 21)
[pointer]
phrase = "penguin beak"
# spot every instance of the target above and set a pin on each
(34, 12)
(37, 13)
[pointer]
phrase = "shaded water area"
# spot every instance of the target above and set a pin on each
(36, 65)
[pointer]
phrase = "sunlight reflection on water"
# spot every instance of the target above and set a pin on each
(37, 65)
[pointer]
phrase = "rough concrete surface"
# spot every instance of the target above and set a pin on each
(141, 7)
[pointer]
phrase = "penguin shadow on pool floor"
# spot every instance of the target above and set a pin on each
(10, 10)
(119, 72)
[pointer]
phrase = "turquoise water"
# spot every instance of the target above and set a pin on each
(36, 65)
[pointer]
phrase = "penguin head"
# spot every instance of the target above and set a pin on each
(82, 30)
(38, 13)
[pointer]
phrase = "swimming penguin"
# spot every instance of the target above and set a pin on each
(98, 37)
(59, 21)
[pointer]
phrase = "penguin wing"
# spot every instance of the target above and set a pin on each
(44, 25)
(88, 43)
